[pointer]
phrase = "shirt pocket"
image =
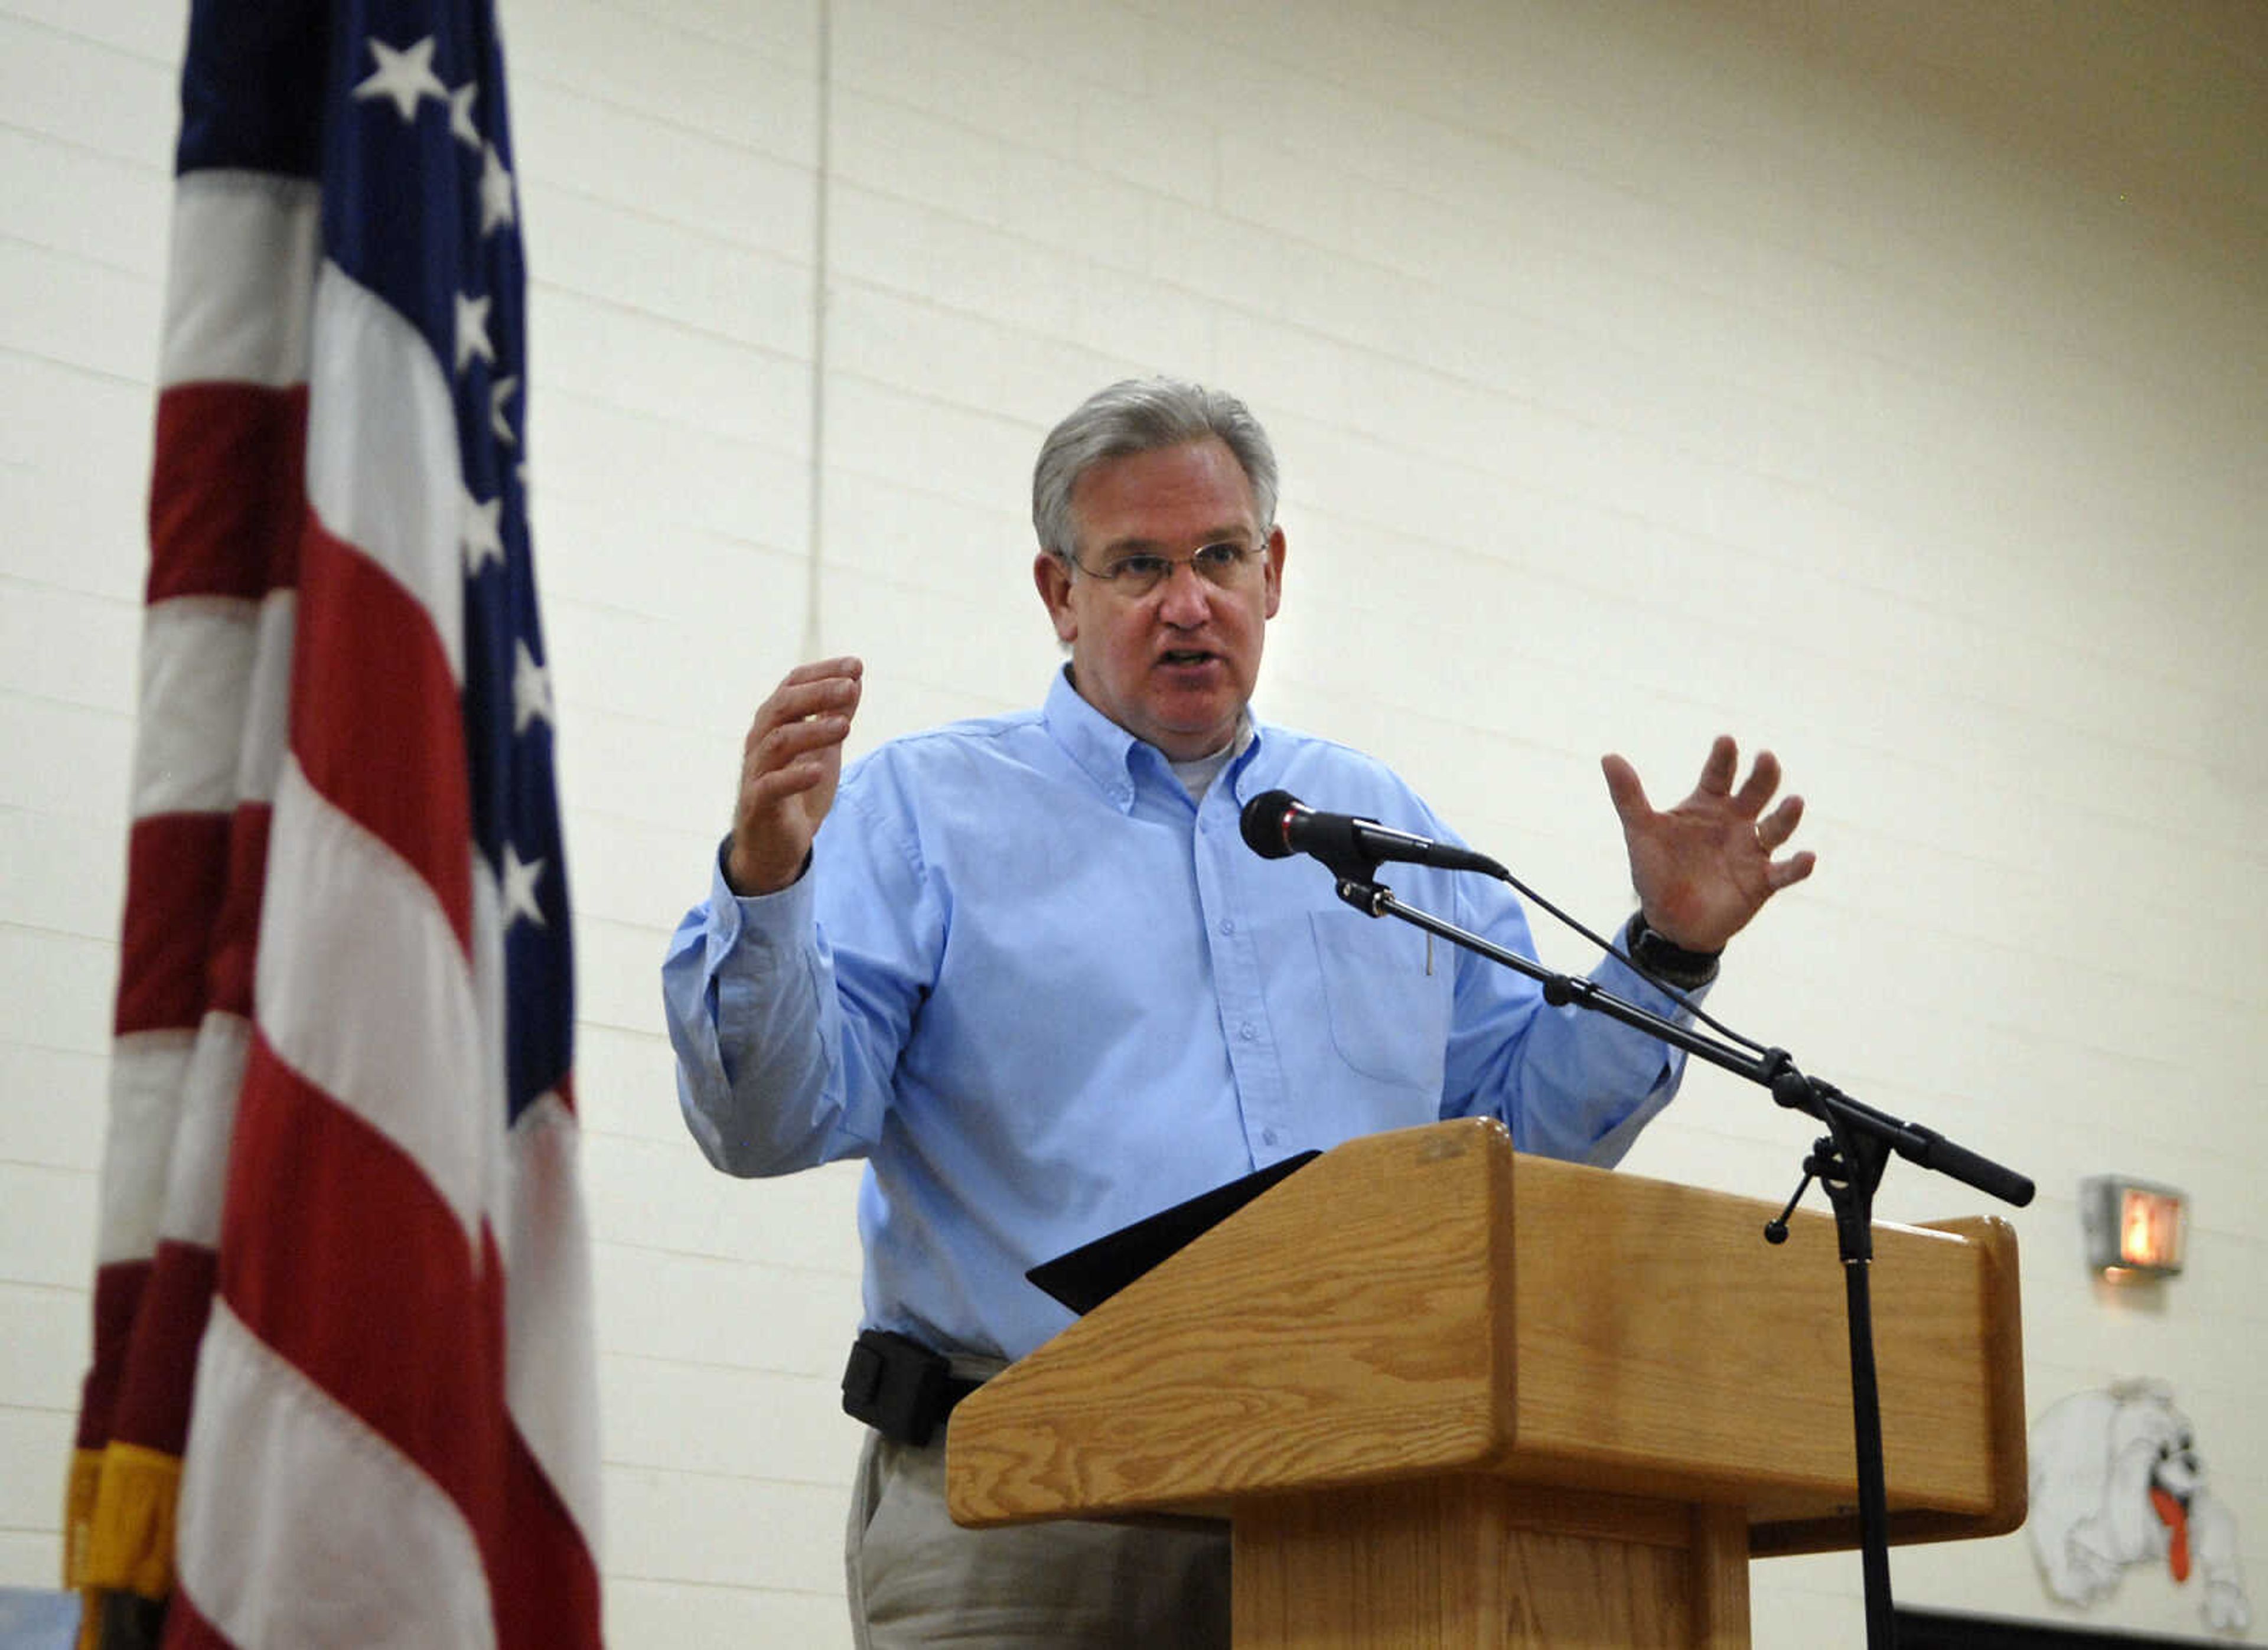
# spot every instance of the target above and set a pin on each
(1386, 995)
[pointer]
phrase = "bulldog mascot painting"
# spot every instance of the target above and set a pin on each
(2117, 1481)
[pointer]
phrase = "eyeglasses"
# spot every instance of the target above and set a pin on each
(1137, 573)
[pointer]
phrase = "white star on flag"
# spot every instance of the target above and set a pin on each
(480, 530)
(531, 690)
(495, 190)
(461, 115)
(517, 888)
(499, 393)
(472, 330)
(406, 77)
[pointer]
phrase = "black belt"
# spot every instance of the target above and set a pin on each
(900, 1387)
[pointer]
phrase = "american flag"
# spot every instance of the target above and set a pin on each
(342, 1388)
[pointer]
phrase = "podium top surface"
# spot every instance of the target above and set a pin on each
(1430, 1302)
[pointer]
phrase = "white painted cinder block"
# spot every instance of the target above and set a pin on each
(67, 759)
(659, 169)
(68, 309)
(47, 1225)
(711, 1309)
(35, 1558)
(706, 1531)
(918, 56)
(49, 187)
(57, 874)
(728, 389)
(55, 1112)
(34, 1450)
(677, 272)
(66, 646)
(44, 1335)
(67, 81)
(639, 1611)
(615, 982)
(55, 991)
(624, 1086)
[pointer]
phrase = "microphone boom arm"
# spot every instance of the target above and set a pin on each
(1774, 1070)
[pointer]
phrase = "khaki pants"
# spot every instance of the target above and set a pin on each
(917, 1579)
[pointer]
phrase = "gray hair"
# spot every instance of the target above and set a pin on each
(1143, 416)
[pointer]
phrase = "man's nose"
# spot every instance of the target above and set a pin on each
(1185, 597)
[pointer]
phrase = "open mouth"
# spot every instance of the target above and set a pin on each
(1186, 656)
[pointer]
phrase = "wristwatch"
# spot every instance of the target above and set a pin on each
(1665, 959)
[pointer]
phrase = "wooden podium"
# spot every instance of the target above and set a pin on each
(1449, 1395)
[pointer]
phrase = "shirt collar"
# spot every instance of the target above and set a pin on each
(1105, 751)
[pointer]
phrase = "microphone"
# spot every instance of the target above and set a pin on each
(1276, 825)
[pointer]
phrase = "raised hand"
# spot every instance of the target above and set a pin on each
(788, 767)
(1704, 868)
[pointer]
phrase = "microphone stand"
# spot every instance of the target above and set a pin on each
(1847, 1162)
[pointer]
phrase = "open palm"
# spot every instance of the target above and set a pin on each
(1705, 868)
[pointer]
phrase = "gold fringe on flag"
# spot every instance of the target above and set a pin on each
(122, 1525)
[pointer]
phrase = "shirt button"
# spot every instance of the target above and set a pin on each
(1268, 1137)
(1228, 924)
(1245, 1031)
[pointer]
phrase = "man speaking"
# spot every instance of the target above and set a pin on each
(1027, 969)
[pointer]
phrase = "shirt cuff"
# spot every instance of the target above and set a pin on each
(774, 921)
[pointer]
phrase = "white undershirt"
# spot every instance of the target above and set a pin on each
(1197, 774)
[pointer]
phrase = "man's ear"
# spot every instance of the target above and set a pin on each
(1052, 579)
(1275, 571)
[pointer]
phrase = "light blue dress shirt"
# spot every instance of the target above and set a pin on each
(1043, 994)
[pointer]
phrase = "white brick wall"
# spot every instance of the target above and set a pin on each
(1885, 388)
